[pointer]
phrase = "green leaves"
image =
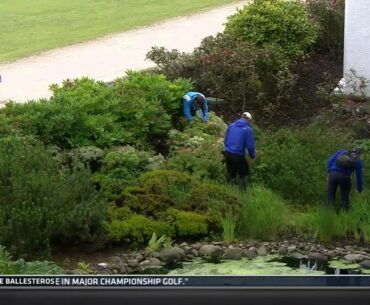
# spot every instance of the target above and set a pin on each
(282, 25)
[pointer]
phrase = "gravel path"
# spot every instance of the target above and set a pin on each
(107, 58)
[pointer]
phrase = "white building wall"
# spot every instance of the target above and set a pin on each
(356, 44)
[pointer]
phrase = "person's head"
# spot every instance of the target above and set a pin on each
(199, 100)
(356, 151)
(247, 116)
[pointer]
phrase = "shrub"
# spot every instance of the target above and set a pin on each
(39, 201)
(188, 223)
(326, 225)
(197, 150)
(121, 168)
(264, 214)
(9, 266)
(283, 25)
(154, 87)
(244, 75)
(84, 112)
(137, 228)
(294, 163)
(330, 19)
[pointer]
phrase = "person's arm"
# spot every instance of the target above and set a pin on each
(359, 166)
(250, 142)
(226, 134)
(186, 102)
(205, 111)
(333, 157)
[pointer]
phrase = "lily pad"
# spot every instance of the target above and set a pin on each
(342, 264)
(257, 266)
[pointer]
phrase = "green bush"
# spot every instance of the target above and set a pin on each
(197, 150)
(39, 201)
(121, 168)
(330, 19)
(264, 214)
(137, 228)
(283, 25)
(19, 267)
(188, 223)
(326, 225)
(85, 112)
(294, 163)
(239, 72)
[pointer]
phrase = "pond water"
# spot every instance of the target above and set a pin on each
(264, 265)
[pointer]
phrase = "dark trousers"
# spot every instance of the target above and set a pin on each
(236, 165)
(336, 179)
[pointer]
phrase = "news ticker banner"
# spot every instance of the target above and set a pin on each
(23, 281)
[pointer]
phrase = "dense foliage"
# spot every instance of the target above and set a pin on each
(279, 24)
(246, 76)
(330, 19)
(39, 201)
(294, 162)
(86, 112)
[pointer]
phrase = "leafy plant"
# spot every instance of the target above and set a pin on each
(40, 202)
(283, 25)
(330, 18)
(265, 215)
(155, 244)
(9, 267)
(229, 226)
(293, 163)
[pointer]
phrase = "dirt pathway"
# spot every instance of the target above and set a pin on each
(107, 58)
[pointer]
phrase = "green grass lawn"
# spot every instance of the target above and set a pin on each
(30, 26)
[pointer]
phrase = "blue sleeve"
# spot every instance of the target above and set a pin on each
(359, 166)
(205, 111)
(333, 157)
(186, 107)
(227, 132)
(250, 143)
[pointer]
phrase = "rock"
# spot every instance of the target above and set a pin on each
(254, 249)
(261, 251)
(188, 250)
(233, 253)
(318, 257)
(171, 255)
(211, 251)
(154, 261)
(282, 251)
(195, 252)
(190, 256)
(365, 264)
(133, 263)
(292, 248)
(298, 255)
(139, 257)
(218, 243)
(102, 266)
(145, 264)
(249, 254)
(117, 263)
(354, 258)
(183, 245)
(197, 245)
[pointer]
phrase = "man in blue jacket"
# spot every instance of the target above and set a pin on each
(338, 175)
(195, 103)
(239, 137)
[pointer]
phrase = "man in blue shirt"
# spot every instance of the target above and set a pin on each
(239, 137)
(195, 103)
(338, 175)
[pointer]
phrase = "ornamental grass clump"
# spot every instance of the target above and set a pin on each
(264, 214)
